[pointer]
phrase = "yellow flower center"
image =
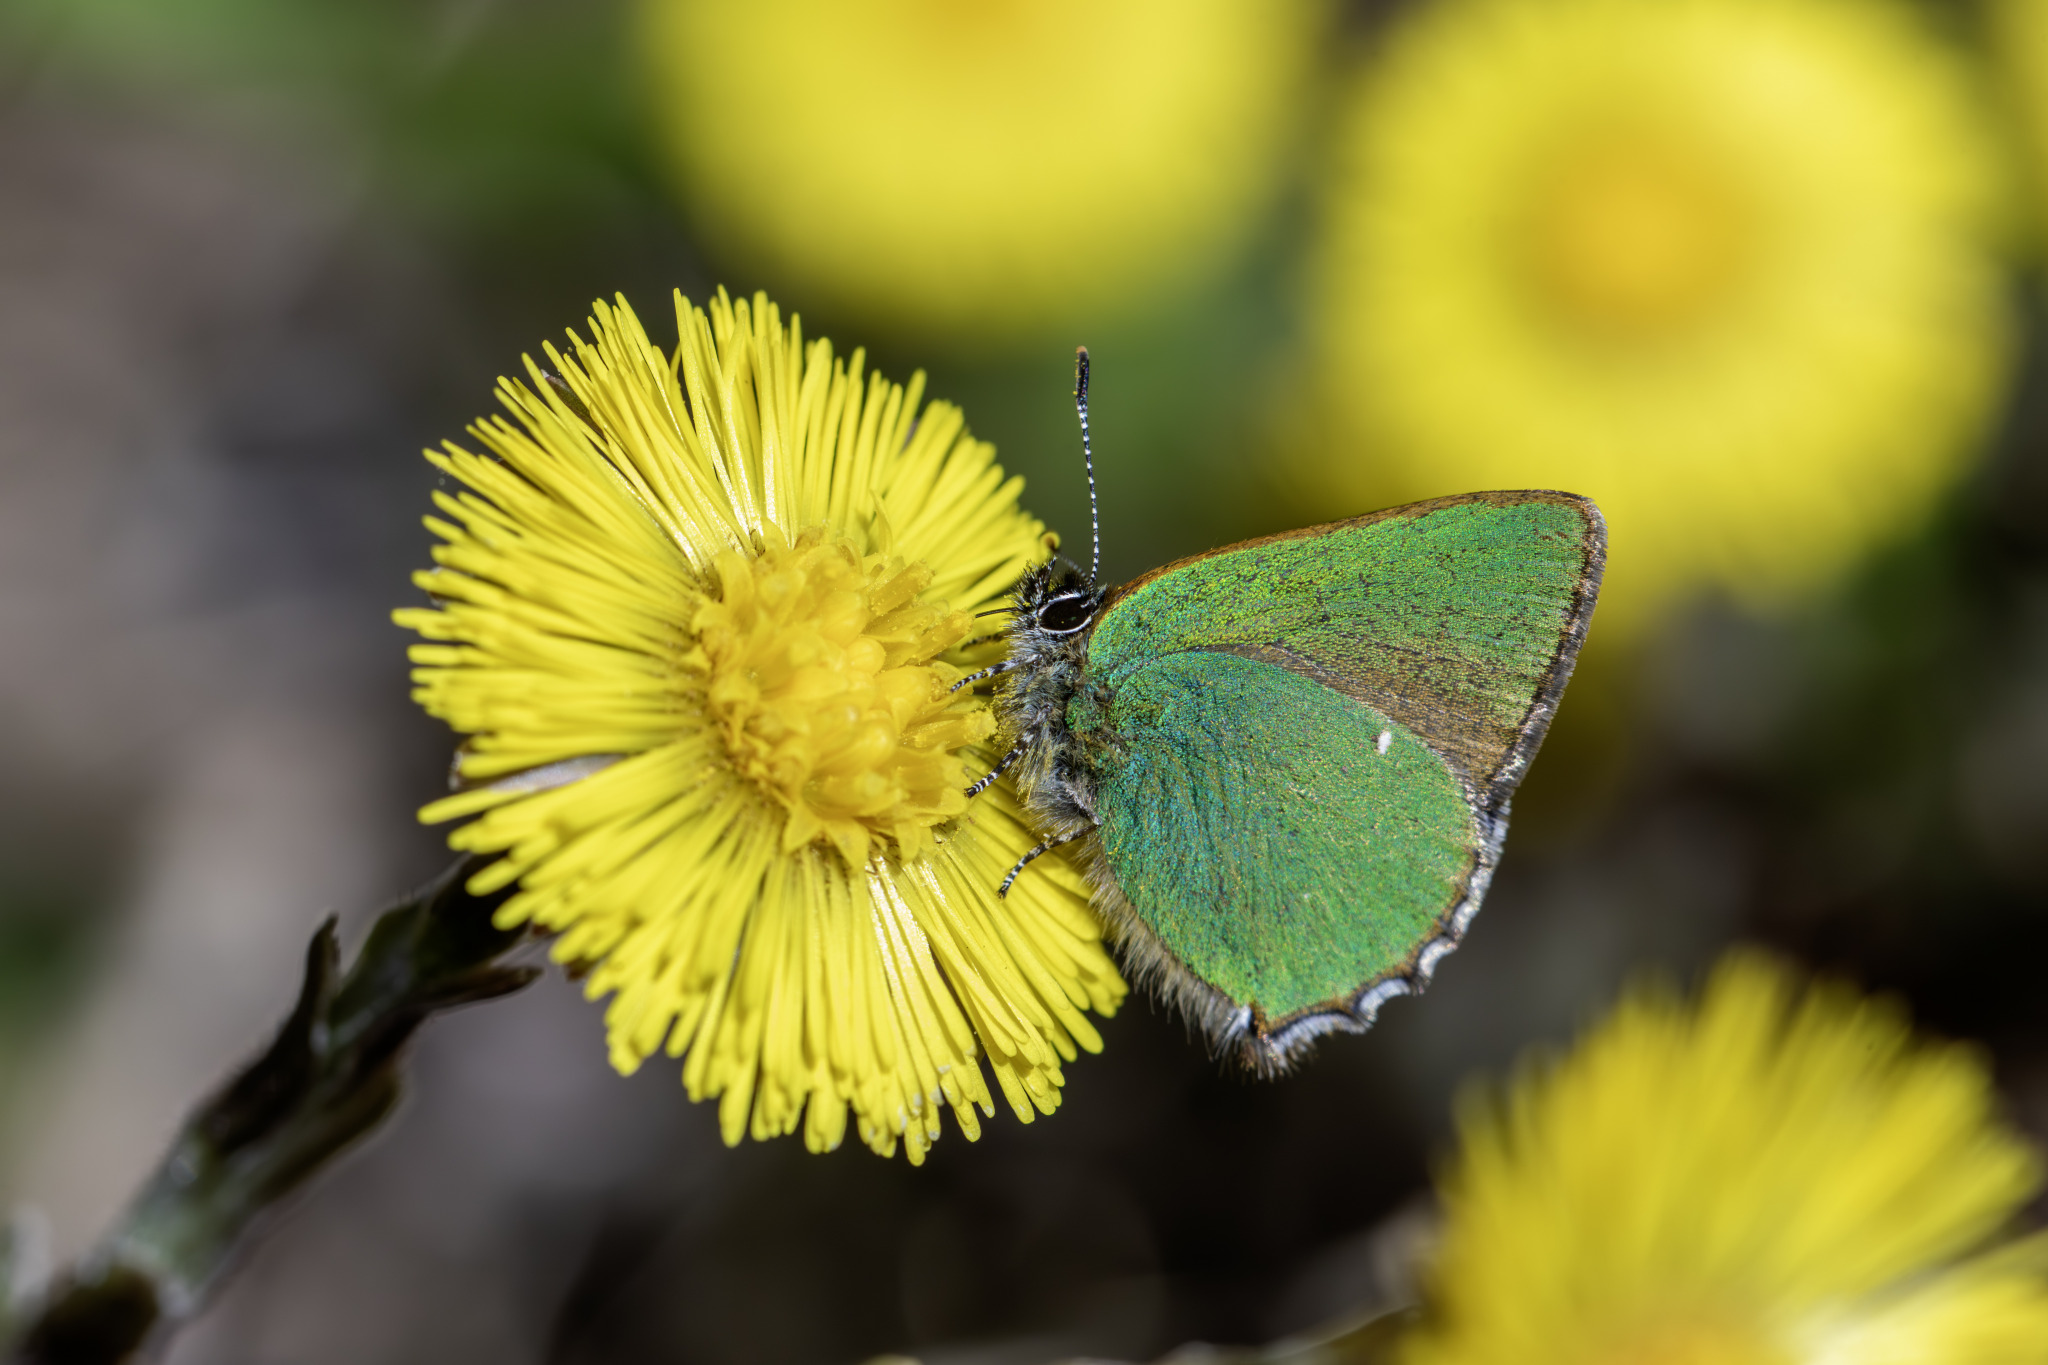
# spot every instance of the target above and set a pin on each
(1693, 1340)
(825, 682)
(1636, 237)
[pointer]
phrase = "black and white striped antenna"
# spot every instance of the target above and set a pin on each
(1088, 460)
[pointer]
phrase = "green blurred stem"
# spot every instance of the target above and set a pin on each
(327, 1080)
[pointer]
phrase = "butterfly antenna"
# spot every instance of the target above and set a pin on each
(1088, 461)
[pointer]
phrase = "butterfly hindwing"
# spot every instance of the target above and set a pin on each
(1285, 842)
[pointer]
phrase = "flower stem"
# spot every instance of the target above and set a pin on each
(327, 1080)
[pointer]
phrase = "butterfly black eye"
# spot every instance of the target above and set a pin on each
(1065, 615)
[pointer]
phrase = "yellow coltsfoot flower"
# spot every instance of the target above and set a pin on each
(699, 613)
(1775, 1177)
(2019, 37)
(1731, 267)
(986, 169)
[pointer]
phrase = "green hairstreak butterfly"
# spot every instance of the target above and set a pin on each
(1286, 764)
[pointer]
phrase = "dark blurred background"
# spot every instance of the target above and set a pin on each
(254, 255)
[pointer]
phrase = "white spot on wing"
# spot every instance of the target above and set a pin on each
(1386, 738)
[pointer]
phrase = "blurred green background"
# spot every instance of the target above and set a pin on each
(255, 253)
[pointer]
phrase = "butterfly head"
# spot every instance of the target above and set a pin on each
(1056, 600)
(1052, 612)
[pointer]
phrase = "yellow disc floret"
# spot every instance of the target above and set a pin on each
(1636, 237)
(1684, 1336)
(825, 682)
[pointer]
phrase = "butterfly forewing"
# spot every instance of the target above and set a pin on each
(1459, 618)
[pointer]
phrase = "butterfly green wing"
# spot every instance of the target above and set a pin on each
(1459, 617)
(1307, 745)
(1288, 845)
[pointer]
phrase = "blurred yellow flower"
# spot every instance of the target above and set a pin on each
(1727, 266)
(2019, 31)
(984, 169)
(1776, 1177)
(698, 612)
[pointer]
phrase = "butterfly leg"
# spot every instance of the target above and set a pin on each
(1002, 766)
(1048, 846)
(991, 671)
